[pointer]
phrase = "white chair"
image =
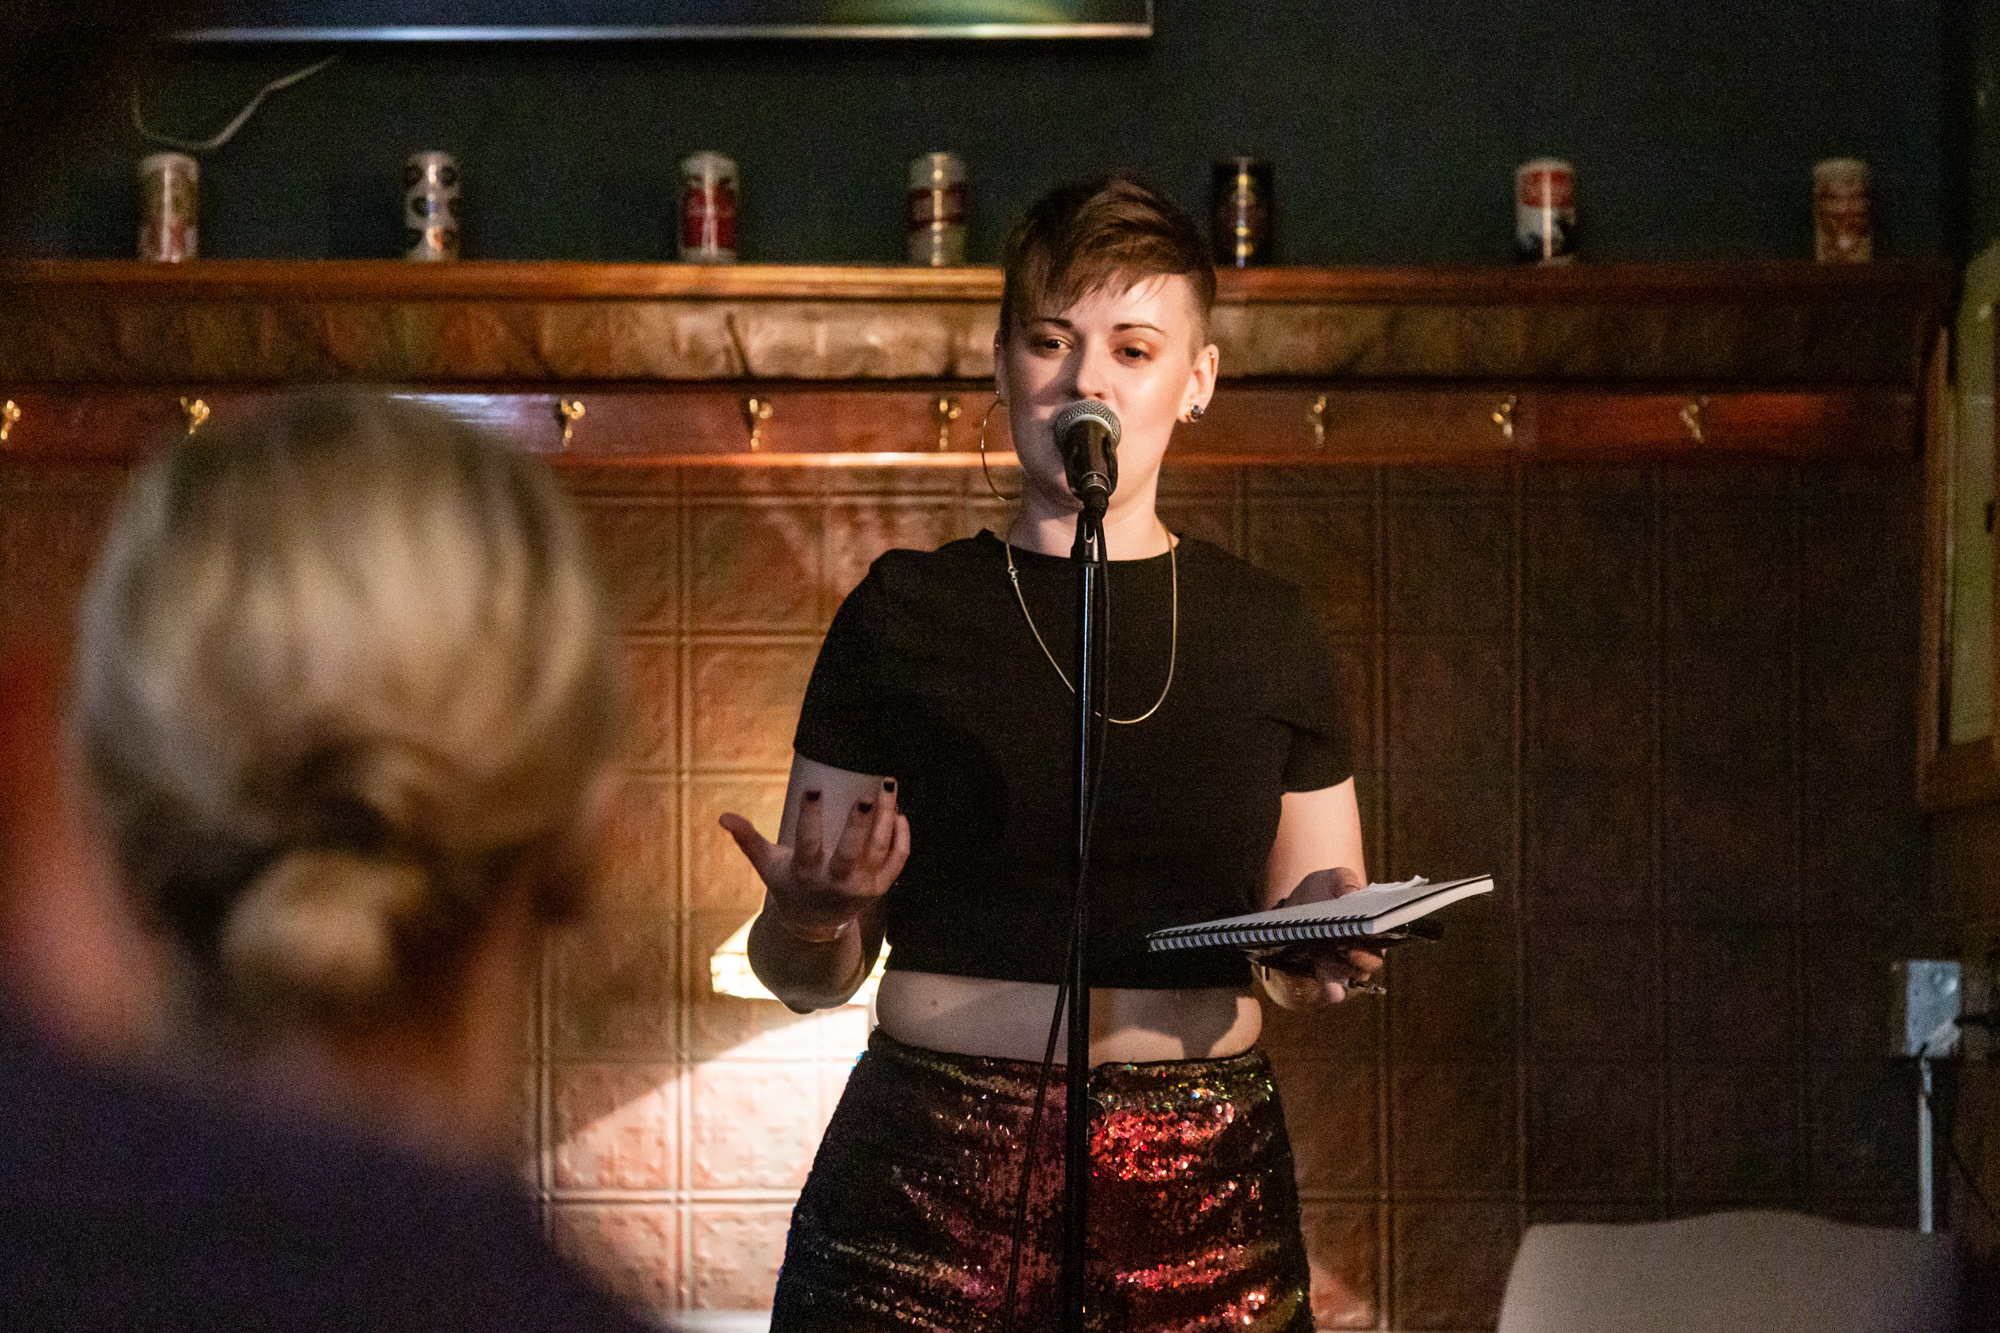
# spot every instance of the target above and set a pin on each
(1737, 1272)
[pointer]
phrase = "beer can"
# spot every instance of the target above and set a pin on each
(169, 197)
(1241, 196)
(1843, 222)
(708, 209)
(430, 206)
(1545, 211)
(937, 210)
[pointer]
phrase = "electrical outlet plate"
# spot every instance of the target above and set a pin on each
(1929, 999)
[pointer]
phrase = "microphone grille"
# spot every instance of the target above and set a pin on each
(1086, 409)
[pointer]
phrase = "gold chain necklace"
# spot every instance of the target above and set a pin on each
(1173, 642)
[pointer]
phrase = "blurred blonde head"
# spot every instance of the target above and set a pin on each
(345, 680)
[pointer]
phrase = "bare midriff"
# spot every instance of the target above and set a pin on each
(1010, 1019)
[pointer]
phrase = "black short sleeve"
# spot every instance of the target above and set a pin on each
(843, 721)
(1312, 702)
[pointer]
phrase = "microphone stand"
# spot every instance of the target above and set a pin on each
(1076, 1141)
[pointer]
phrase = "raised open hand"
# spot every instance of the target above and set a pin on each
(815, 891)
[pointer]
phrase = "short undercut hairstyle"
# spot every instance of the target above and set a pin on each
(1111, 233)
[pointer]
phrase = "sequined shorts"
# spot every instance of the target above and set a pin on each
(907, 1220)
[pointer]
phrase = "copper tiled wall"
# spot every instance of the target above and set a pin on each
(1967, 872)
(1672, 711)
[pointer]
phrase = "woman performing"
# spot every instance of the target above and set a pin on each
(931, 804)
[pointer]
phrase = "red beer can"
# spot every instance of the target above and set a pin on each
(1545, 211)
(708, 209)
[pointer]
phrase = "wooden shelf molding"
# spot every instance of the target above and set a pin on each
(1329, 365)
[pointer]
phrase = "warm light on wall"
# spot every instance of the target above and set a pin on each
(729, 971)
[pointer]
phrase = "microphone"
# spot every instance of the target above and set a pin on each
(1087, 432)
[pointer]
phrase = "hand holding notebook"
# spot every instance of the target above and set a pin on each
(1369, 917)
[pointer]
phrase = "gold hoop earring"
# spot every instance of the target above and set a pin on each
(983, 469)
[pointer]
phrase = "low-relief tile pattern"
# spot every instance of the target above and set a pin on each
(1343, 1247)
(652, 705)
(1451, 568)
(1454, 1126)
(632, 1248)
(746, 703)
(753, 1124)
(1331, 1107)
(1593, 1130)
(637, 545)
(735, 1251)
(755, 566)
(636, 860)
(1592, 989)
(612, 978)
(615, 1126)
(720, 878)
(1701, 824)
(1452, 1261)
(1734, 1134)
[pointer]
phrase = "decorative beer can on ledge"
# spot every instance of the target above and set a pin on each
(937, 210)
(708, 209)
(430, 206)
(1241, 200)
(1545, 211)
(169, 204)
(1843, 222)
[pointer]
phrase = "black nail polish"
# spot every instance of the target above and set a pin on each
(865, 807)
(888, 784)
(812, 796)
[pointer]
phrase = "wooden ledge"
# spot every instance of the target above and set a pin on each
(571, 324)
(1721, 283)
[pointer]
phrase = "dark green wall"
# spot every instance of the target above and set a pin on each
(1395, 128)
(1973, 98)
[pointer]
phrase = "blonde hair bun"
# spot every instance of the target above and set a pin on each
(340, 669)
(318, 930)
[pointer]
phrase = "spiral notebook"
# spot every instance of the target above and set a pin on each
(1375, 910)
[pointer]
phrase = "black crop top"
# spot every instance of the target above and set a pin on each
(931, 676)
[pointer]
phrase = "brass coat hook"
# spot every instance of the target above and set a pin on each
(1692, 418)
(10, 415)
(1317, 414)
(194, 412)
(756, 411)
(944, 411)
(1503, 416)
(569, 411)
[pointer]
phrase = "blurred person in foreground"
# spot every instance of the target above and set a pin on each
(346, 703)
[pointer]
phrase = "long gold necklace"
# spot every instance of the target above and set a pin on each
(1173, 642)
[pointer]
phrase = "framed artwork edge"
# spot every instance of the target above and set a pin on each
(1949, 777)
(240, 22)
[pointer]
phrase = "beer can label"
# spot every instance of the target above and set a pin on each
(708, 220)
(1545, 211)
(430, 206)
(942, 204)
(1843, 221)
(708, 209)
(168, 207)
(1241, 199)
